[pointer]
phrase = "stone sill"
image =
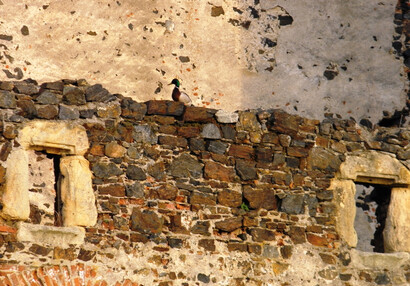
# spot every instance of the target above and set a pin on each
(50, 235)
(373, 260)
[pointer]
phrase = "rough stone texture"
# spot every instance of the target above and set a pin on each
(146, 221)
(396, 230)
(211, 131)
(186, 165)
(260, 198)
(226, 117)
(54, 137)
(77, 192)
(15, 198)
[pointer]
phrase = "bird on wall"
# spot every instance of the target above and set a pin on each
(178, 95)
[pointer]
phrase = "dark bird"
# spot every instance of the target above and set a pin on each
(178, 95)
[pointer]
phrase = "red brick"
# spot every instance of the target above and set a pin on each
(242, 151)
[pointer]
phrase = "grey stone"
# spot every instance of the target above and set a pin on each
(246, 170)
(382, 279)
(68, 113)
(7, 99)
(185, 166)
(146, 221)
(106, 170)
(97, 93)
(322, 159)
(311, 202)
(404, 154)
(203, 278)
(217, 147)
(28, 108)
(211, 131)
(87, 113)
(201, 227)
(135, 173)
(135, 190)
(196, 144)
(228, 132)
(73, 95)
(329, 273)
(133, 109)
(26, 87)
(133, 152)
(270, 251)
(293, 204)
(24, 30)
(144, 134)
(223, 116)
(47, 97)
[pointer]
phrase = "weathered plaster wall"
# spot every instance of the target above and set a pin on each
(192, 196)
(306, 57)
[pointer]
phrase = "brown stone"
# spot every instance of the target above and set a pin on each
(146, 221)
(2, 174)
(339, 147)
(198, 114)
(157, 170)
(317, 240)
(9, 132)
(114, 150)
(86, 255)
(262, 234)
(264, 155)
(322, 159)
(230, 198)
(64, 253)
(328, 258)
(279, 268)
(5, 151)
(286, 251)
(138, 237)
(297, 151)
(297, 234)
(241, 247)
(260, 198)
(202, 199)
(164, 192)
(189, 131)
(207, 244)
(113, 190)
(40, 250)
(176, 224)
(314, 228)
(270, 138)
(248, 221)
(201, 227)
(284, 122)
(246, 170)
(167, 129)
(47, 112)
(217, 171)
(173, 142)
(255, 248)
(156, 107)
(133, 109)
(97, 150)
(241, 151)
(229, 225)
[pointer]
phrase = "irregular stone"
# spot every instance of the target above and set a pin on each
(172, 142)
(175, 242)
(157, 171)
(7, 99)
(47, 112)
(57, 85)
(255, 248)
(198, 114)
(28, 109)
(113, 190)
(6, 85)
(106, 170)
(203, 278)
(218, 171)
(228, 132)
(217, 147)
(286, 251)
(68, 113)
(97, 93)
(382, 279)
(146, 221)
(285, 123)
(211, 131)
(248, 122)
(26, 87)
(207, 244)
(403, 154)
(86, 255)
(64, 253)
(73, 95)
(297, 234)
(322, 159)
(270, 251)
(278, 268)
(329, 273)
(164, 192)
(47, 97)
(133, 109)
(202, 199)
(293, 204)
(135, 173)
(270, 138)
(229, 225)
(262, 234)
(328, 258)
(188, 131)
(246, 170)
(134, 190)
(185, 166)
(114, 150)
(237, 247)
(196, 145)
(110, 110)
(5, 150)
(241, 151)
(285, 140)
(317, 240)
(165, 107)
(230, 198)
(201, 227)
(144, 134)
(77, 192)
(260, 198)
(223, 116)
(2, 174)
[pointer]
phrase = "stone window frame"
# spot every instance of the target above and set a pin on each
(375, 168)
(70, 141)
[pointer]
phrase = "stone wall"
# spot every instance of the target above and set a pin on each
(188, 195)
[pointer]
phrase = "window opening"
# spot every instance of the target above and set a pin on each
(372, 203)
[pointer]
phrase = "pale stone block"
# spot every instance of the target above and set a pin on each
(373, 260)
(374, 167)
(54, 137)
(396, 232)
(223, 116)
(50, 235)
(344, 198)
(15, 191)
(76, 192)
